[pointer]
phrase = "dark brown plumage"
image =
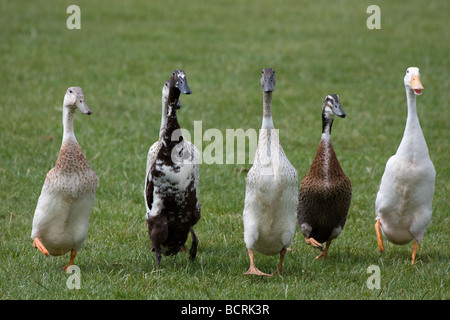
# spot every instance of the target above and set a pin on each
(325, 192)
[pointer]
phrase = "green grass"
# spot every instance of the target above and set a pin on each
(121, 57)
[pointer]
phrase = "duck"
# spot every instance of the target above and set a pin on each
(154, 148)
(325, 191)
(403, 204)
(270, 209)
(171, 188)
(61, 218)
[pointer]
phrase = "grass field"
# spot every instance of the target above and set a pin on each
(121, 57)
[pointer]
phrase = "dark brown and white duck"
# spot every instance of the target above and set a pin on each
(404, 200)
(271, 191)
(325, 192)
(154, 148)
(61, 219)
(171, 186)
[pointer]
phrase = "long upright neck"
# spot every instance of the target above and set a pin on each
(68, 115)
(171, 127)
(163, 117)
(413, 143)
(172, 121)
(327, 123)
(267, 122)
(412, 121)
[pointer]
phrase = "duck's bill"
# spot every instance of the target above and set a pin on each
(416, 85)
(83, 107)
(184, 88)
(337, 110)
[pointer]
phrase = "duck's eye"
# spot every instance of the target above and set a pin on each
(70, 91)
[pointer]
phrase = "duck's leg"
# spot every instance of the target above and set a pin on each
(253, 269)
(379, 236)
(314, 243)
(323, 254)
(73, 254)
(280, 264)
(38, 245)
(415, 245)
(158, 257)
(193, 250)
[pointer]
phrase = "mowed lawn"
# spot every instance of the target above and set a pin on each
(121, 57)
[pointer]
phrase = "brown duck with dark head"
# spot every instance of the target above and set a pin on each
(325, 192)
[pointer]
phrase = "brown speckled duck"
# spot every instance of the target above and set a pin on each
(325, 192)
(61, 219)
(171, 187)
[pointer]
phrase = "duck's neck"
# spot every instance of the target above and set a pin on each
(327, 123)
(163, 117)
(412, 121)
(267, 122)
(413, 142)
(68, 115)
(171, 127)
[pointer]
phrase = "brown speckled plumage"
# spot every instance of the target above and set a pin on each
(72, 165)
(325, 192)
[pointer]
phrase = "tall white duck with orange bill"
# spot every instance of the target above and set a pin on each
(61, 219)
(404, 200)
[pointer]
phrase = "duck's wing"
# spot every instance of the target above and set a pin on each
(148, 193)
(148, 187)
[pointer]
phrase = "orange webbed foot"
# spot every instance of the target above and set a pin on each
(379, 236)
(38, 245)
(314, 243)
(323, 254)
(256, 271)
(253, 269)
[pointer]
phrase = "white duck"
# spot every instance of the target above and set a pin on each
(403, 203)
(61, 219)
(271, 201)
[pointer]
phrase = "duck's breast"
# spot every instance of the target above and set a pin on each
(324, 196)
(64, 206)
(60, 221)
(404, 199)
(271, 199)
